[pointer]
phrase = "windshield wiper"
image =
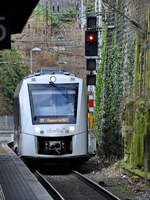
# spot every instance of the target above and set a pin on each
(52, 84)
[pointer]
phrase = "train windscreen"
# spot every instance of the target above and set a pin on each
(53, 103)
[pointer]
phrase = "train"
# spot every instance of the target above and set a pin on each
(50, 116)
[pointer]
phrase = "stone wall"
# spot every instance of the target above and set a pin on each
(131, 20)
(136, 115)
(127, 14)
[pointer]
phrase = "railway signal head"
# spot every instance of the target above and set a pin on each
(90, 64)
(91, 22)
(91, 79)
(91, 43)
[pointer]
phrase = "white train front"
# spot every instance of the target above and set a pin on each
(50, 116)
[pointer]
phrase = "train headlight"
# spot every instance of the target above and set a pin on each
(37, 129)
(71, 128)
(52, 79)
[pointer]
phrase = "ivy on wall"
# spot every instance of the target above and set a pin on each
(108, 101)
(99, 92)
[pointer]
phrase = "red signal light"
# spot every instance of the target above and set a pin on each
(91, 37)
(91, 43)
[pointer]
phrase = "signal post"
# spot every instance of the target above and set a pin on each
(91, 55)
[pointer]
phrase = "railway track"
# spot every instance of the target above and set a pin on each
(74, 186)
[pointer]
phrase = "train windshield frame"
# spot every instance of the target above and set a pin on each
(53, 103)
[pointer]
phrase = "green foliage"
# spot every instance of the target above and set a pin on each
(90, 7)
(90, 10)
(112, 108)
(66, 16)
(43, 12)
(99, 92)
(11, 72)
(108, 101)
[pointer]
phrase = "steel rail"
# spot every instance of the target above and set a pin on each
(48, 186)
(95, 186)
(57, 196)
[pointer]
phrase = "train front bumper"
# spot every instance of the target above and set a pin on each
(70, 147)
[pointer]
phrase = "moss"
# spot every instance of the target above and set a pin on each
(147, 56)
(128, 116)
(139, 172)
(140, 128)
(127, 130)
(136, 66)
(136, 117)
(127, 146)
(136, 133)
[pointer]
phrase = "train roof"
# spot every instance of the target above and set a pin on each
(50, 70)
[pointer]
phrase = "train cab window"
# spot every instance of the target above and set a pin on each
(53, 103)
